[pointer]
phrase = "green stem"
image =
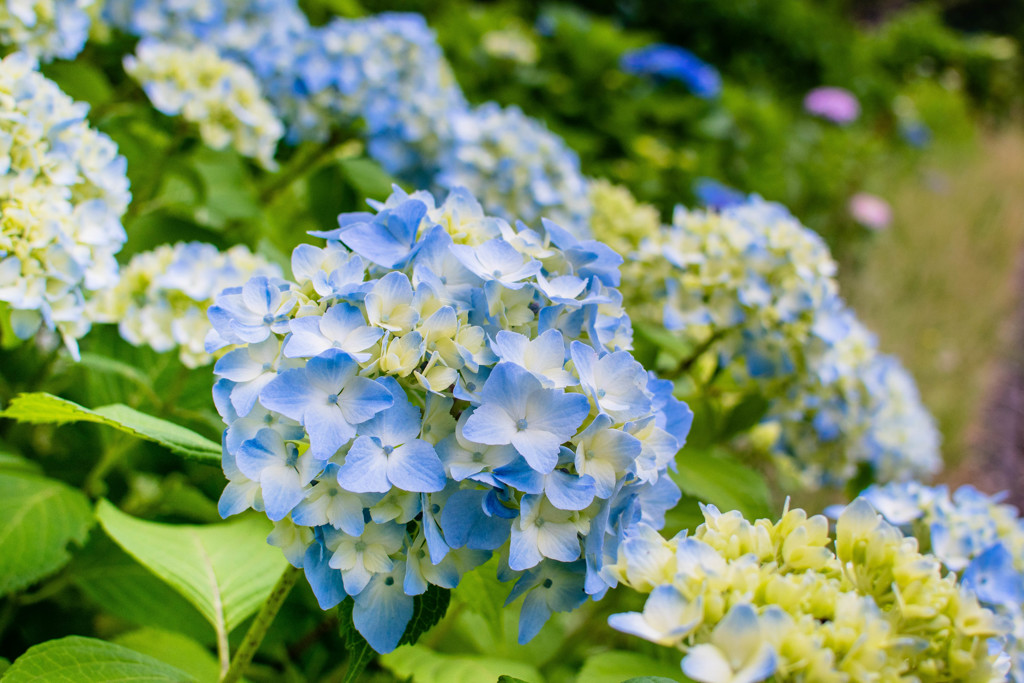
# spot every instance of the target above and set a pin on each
(258, 631)
(302, 163)
(94, 485)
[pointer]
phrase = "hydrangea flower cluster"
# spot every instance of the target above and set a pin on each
(753, 602)
(435, 385)
(514, 162)
(748, 282)
(219, 95)
(162, 297)
(63, 190)
(753, 292)
(970, 533)
(619, 219)
(855, 407)
(387, 74)
(45, 29)
(672, 62)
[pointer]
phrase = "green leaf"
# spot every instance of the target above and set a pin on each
(745, 415)
(41, 408)
(617, 666)
(650, 679)
(423, 665)
(367, 177)
(225, 570)
(428, 609)
(359, 651)
(39, 517)
(125, 589)
(227, 188)
(111, 366)
(81, 80)
(714, 476)
(9, 462)
(510, 679)
(86, 660)
(174, 649)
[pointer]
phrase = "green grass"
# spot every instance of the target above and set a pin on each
(938, 287)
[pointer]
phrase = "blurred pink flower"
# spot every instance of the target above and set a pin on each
(870, 211)
(835, 104)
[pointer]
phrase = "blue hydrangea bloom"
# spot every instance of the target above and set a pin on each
(672, 62)
(433, 387)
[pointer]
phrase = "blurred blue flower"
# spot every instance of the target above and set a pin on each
(675, 63)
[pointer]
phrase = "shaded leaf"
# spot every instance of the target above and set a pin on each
(714, 476)
(225, 570)
(359, 651)
(87, 660)
(175, 649)
(745, 415)
(125, 589)
(41, 408)
(369, 179)
(39, 518)
(9, 462)
(619, 666)
(423, 665)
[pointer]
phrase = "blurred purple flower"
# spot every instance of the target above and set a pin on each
(673, 62)
(838, 105)
(870, 211)
(716, 195)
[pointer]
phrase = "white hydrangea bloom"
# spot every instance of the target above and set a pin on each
(63, 190)
(221, 96)
(45, 29)
(163, 295)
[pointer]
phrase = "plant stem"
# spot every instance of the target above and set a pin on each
(258, 631)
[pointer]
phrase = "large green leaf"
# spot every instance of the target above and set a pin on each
(616, 667)
(174, 649)
(41, 408)
(125, 589)
(39, 517)
(86, 660)
(225, 570)
(420, 664)
(714, 476)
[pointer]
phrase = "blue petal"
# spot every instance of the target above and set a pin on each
(326, 582)
(416, 467)
(382, 610)
(365, 469)
(466, 524)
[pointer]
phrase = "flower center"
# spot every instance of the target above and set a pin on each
(521, 424)
(548, 583)
(268, 318)
(388, 450)
(389, 581)
(478, 457)
(333, 399)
